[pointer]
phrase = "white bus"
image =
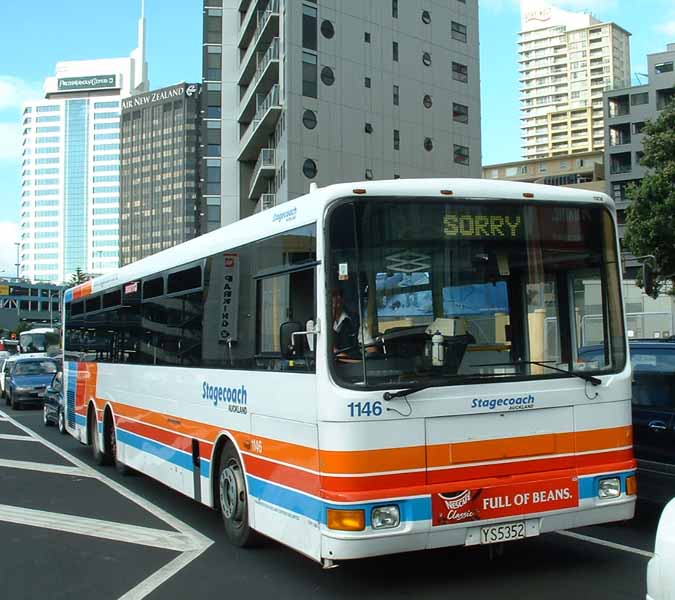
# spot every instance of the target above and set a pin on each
(40, 341)
(368, 369)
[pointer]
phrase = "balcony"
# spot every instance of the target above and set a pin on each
(262, 125)
(266, 75)
(619, 134)
(264, 169)
(266, 31)
(620, 163)
(266, 202)
(256, 21)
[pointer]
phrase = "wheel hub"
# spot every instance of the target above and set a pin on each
(232, 492)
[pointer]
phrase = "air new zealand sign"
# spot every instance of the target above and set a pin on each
(176, 91)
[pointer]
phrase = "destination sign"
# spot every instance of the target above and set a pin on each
(464, 224)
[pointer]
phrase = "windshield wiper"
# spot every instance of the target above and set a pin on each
(425, 386)
(584, 376)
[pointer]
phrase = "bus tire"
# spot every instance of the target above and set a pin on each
(111, 441)
(233, 499)
(97, 453)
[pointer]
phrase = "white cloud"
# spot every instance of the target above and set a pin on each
(14, 91)
(668, 27)
(10, 141)
(8, 235)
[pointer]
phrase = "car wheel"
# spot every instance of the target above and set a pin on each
(99, 456)
(62, 422)
(6, 397)
(45, 417)
(13, 402)
(233, 499)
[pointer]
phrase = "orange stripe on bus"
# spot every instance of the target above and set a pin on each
(372, 461)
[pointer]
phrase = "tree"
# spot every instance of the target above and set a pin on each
(78, 277)
(650, 218)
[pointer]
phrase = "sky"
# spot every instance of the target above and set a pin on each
(31, 43)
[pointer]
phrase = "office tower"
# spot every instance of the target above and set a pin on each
(159, 175)
(69, 212)
(566, 61)
(340, 90)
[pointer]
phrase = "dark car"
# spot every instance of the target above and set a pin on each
(54, 409)
(29, 379)
(653, 365)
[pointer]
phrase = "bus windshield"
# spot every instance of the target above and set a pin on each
(431, 291)
(38, 341)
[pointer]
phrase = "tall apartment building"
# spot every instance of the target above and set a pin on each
(69, 212)
(626, 112)
(340, 90)
(159, 177)
(567, 60)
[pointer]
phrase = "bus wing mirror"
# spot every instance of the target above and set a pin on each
(289, 340)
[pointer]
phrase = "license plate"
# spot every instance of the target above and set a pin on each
(495, 534)
(41, 395)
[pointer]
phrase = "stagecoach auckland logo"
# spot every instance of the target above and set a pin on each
(512, 403)
(235, 398)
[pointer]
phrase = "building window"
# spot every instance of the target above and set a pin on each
(309, 119)
(664, 67)
(394, 51)
(309, 75)
(327, 29)
(458, 31)
(460, 72)
(397, 139)
(460, 113)
(395, 98)
(428, 144)
(637, 99)
(638, 127)
(327, 76)
(368, 128)
(366, 37)
(366, 82)
(461, 154)
(309, 35)
(309, 168)
(426, 17)
(638, 157)
(426, 101)
(397, 176)
(394, 9)
(369, 174)
(426, 59)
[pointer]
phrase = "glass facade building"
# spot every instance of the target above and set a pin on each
(160, 201)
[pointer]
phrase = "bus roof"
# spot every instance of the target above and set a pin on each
(308, 209)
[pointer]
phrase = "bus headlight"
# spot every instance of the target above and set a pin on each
(385, 517)
(609, 488)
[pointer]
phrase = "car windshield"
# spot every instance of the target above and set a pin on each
(426, 290)
(37, 367)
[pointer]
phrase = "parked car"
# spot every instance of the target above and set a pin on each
(5, 370)
(660, 572)
(653, 364)
(9, 346)
(54, 409)
(29, 379)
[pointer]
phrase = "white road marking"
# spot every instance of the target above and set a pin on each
(606, 543)
(19, 438)
(107, 530)
(193, 542)
(43, 467)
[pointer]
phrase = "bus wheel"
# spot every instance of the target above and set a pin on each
(111, 437)
(100, 458)
(233, 499)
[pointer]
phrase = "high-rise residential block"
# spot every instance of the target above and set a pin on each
(69, 211)
(566, 61)
(159, 177)
(626, 112)
(299, 91)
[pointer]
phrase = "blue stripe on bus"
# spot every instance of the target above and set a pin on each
(176, 457)
(80, 420)
(412, 509)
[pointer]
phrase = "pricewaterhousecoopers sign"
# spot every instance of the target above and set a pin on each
(176, 91)
(91, 82)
